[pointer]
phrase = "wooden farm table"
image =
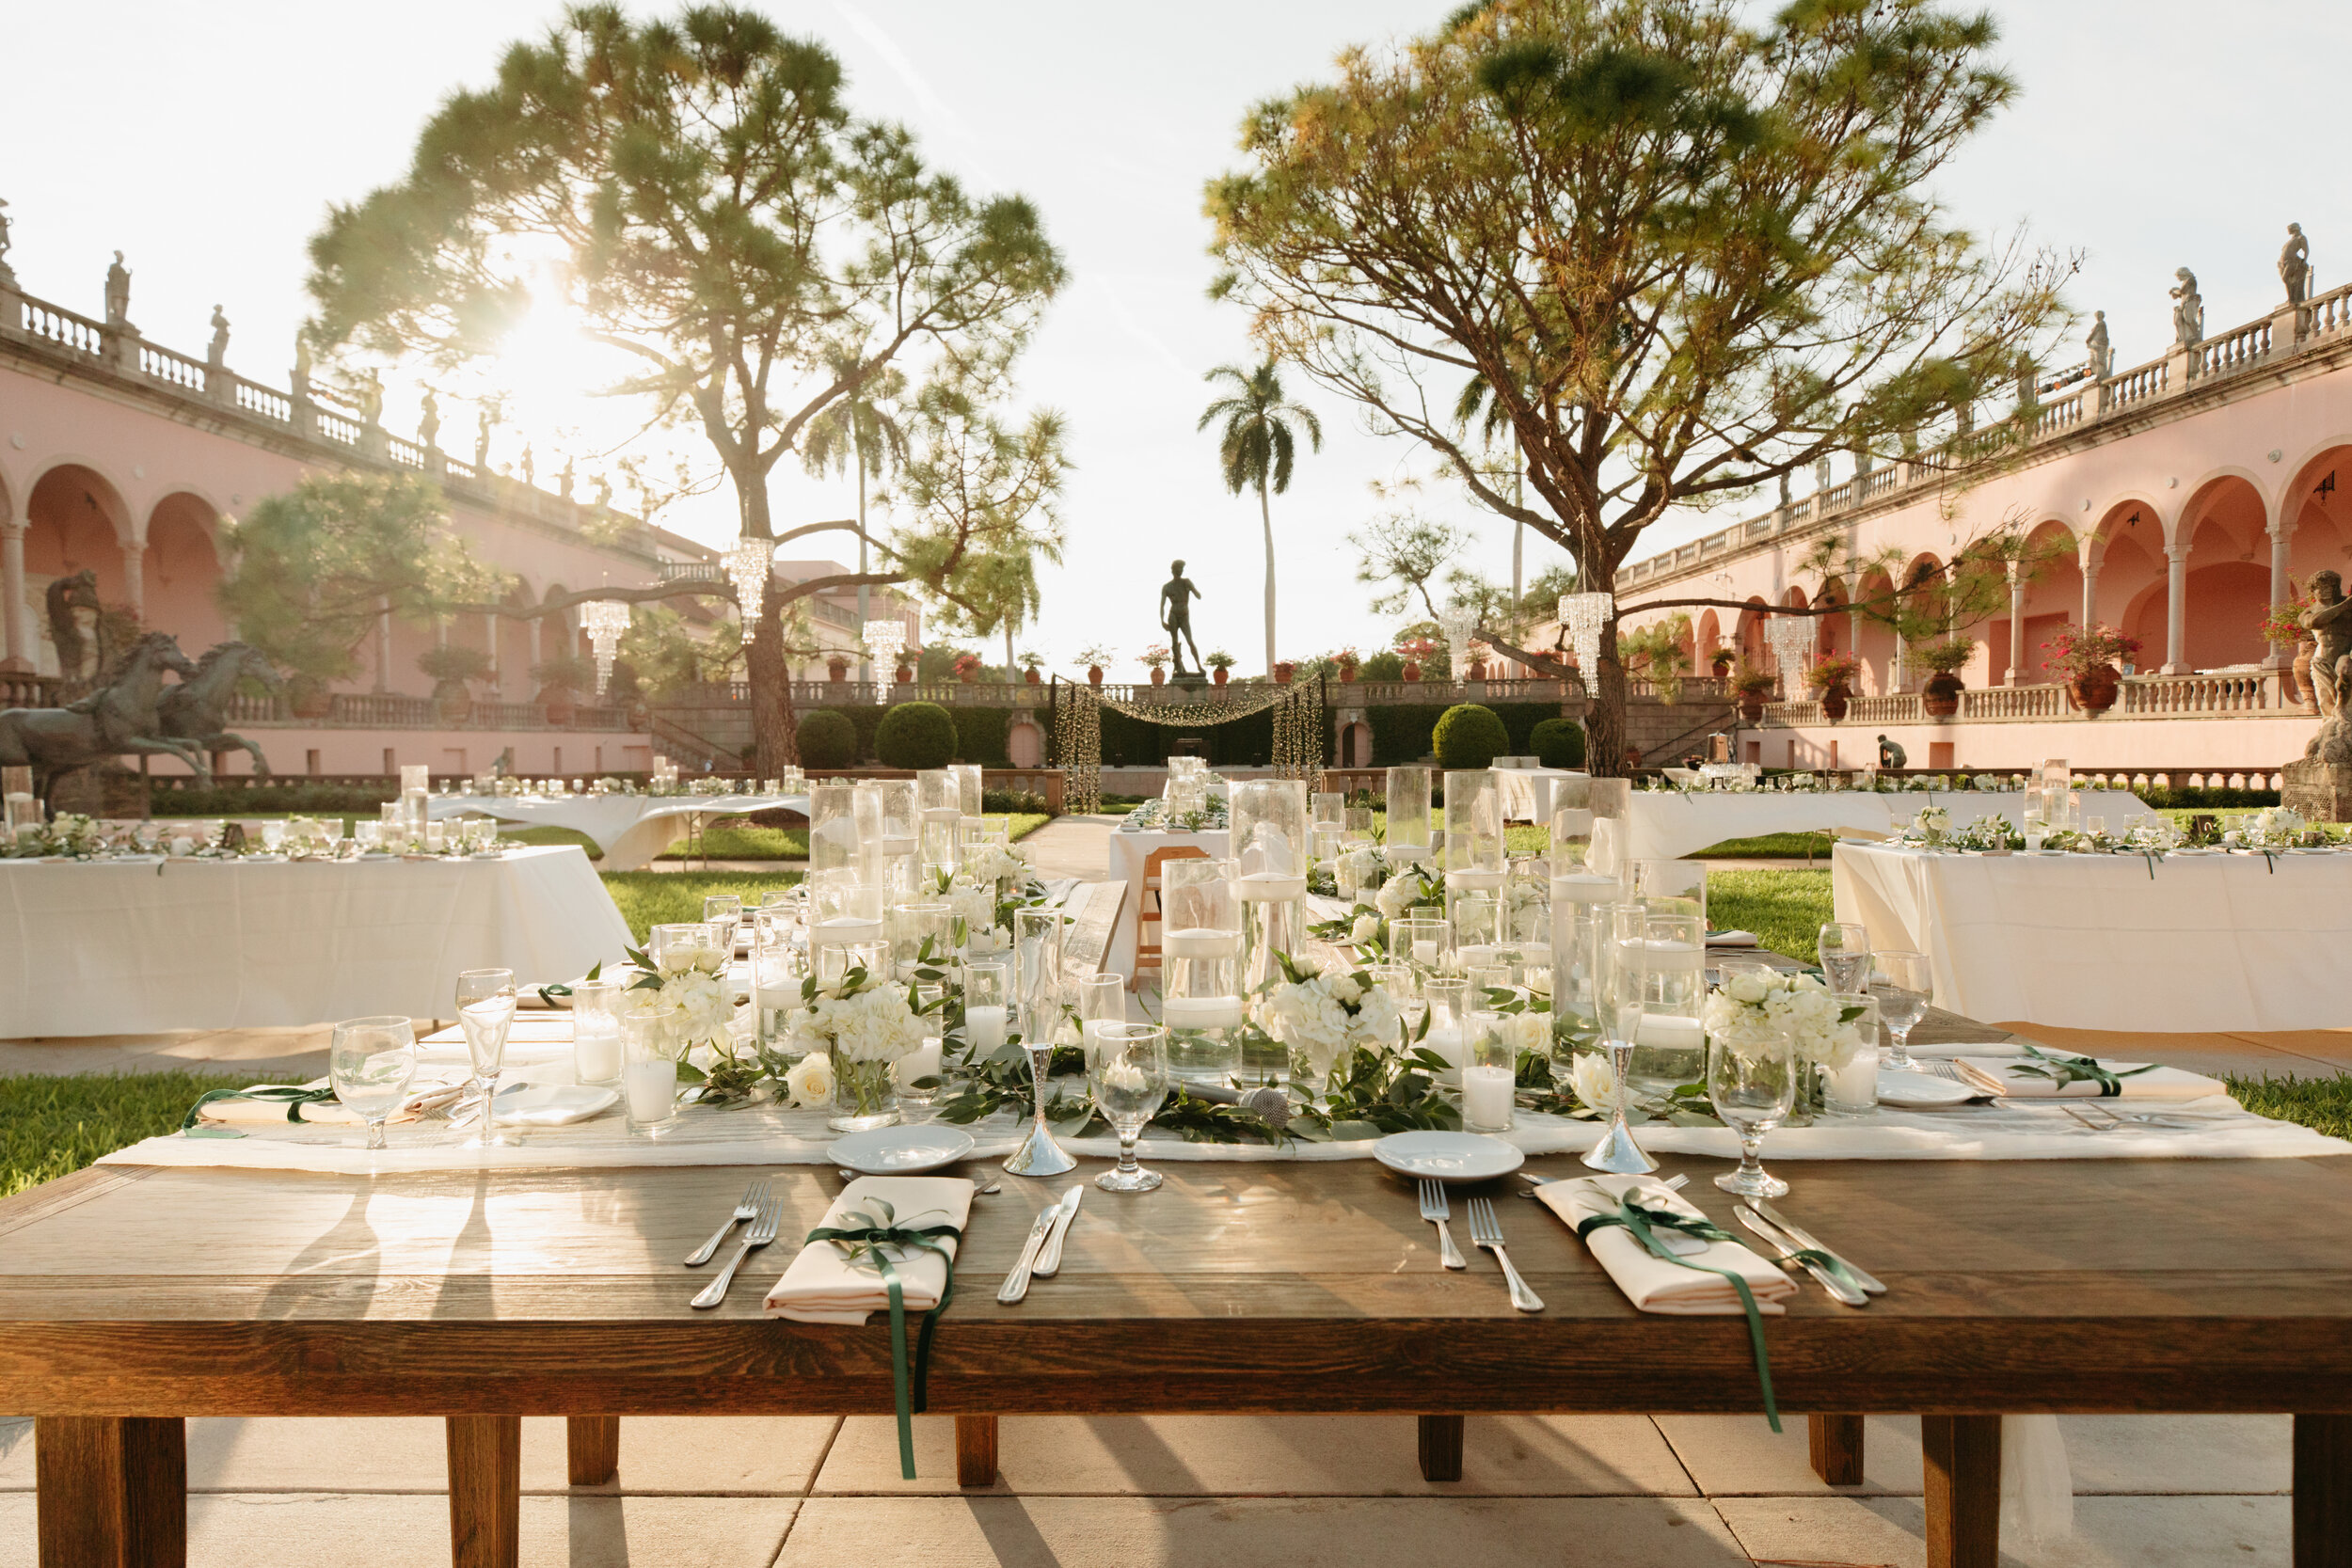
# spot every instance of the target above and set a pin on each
(132, 1297)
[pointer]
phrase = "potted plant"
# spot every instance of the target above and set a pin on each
(1478, 661)
(1347, 666)
(1283, 670)
(1719, 663)
(307, 696)
(1833, 677)
(968, 668)
(1095, 658)
(1030, 664)
(451, 665)
(904, 675)
(560, 680)
(1752, 685)
(1415, 650)
(1155, 659)
(838, 668)
(1943, 662)
(1220, 665)
(2086, 659)
(2282, 627)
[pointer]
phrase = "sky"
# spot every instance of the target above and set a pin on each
(2150, 135)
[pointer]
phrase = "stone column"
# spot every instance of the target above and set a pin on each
(498, 671)
(16, 645)
(2175, 611)
(2016, 625)
(2091, 586)
(2281, 535)
(1895, 676)
(134, 578)
(383, 645)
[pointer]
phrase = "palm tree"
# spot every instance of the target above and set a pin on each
(1256, 448)
(859, 433)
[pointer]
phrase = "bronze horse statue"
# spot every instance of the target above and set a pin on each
(118, 718)
(196, 709)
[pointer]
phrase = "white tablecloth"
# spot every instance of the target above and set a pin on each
(1527, 790)
(631, 829)
(2094, 942)
(98, 948)
(1127, 854)
(1667, 825)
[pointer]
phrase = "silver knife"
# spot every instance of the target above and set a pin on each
(1805, 1238)
(1016, 1284)
(1049, 1256)
(1822, 1276)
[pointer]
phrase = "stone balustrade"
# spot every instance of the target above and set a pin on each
(2208, 696)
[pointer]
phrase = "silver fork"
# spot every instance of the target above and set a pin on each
(1434, 1210)
(748, 1209)
(1487, 1233)
(763, 1231)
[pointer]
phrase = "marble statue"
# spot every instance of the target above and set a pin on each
(2295, 265)
(5, 241)
(2102, 357)
(372, 400)
(218, 353)
(1821, 474)
(2188, 311)
(1865, 460)
(604, 490)
(429, 420)
(2329, 621)
(301, 377)
(1176, 617)
(482, 442)
(530, 467)
(1783, 492)
(563, 481)
(2027, 394)
(118, 294)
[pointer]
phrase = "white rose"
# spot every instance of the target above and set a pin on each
(1594, 1081)
(1748, 986)
(1366, 928)
(1067, 1034)
(810, 1082)
(1344, 989)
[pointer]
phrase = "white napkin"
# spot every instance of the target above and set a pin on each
(2007, 1077)
(822, 1286)
(1732, 939)
(1649, 1282)
(327, 1112)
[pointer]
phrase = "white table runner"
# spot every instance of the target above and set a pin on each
(631, 829)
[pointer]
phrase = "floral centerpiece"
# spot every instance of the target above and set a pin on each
(1320, 1014)
(68, 833)
(1931, 826)
(1412, 887)
(2272, 828)
(856, 1029)
(1755, 1014)
(689, 989)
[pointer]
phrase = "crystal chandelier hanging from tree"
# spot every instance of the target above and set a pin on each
(1583, 616)
(747, 568)
(1792, 639)
(604, 620)
(883, 639)
(1455, 625)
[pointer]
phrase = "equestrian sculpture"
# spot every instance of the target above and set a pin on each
(196, 709)
(120, 717)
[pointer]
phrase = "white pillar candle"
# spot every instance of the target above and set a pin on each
(1446, 1040)
(1475, 880)
(1475, 954)
(597, 1050)
(921, 1061)
(1425, 953)
(1585, 887)
(843, 930)
(1201, 1012)
(1271, 887)
(1487, 1096)
(1856, 1082)
(1675, 958)
(1665, 1032)
(1200, 943)
(986, 1025)
(895, 844)
(652, 1088)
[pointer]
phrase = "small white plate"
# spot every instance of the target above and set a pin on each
(1921, 1091)
(900, 1151)
(1448, 1156)
(528, 1104)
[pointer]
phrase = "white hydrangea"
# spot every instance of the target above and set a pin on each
(871, 1024)
(1397, 895)
(1756, 1014)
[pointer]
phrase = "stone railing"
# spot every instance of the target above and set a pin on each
(2251, 693)
(386, 710)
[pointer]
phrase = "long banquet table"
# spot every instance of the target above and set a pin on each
(1669, 824)
(2184, 943)
(1127, 855)
(122, 948)
(631, 829)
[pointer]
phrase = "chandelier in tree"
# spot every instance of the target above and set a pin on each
(1583, 616)
(604, 620)
(1792, 639)
(883, 639)
(1455, 625)
(747, 568)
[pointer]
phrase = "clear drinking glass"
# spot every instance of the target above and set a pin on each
(1753, 1087)
(1672, 887)
(1670, 1048)
(648, 1065)
(778, 965)
(596, 1031)
(1489, 1074)
(486, 1010)
(369, 1061)
(1037, 990)
(1902, 986)
(1421, 941)
(1619, 991)
(1408, 795)
(1845, 950)
(1449, 1001)
(1101, 1001)
(1127, 1074)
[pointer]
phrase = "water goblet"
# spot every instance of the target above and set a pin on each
(369, 1061)
(1752, 1082)
(486, 1011)
(1845, 949)
(1903, 987)
(1127, 1074)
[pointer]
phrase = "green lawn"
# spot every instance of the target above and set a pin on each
(2323, 1104)
(650, 898)
(52, 1127)
(1786, 909)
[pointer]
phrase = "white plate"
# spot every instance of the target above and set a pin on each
(2191, 850)
(1448, 1156)
(553, 1104)
(900, 1151)
(1921, 1091)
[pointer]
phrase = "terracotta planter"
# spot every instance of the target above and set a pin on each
(1752, 708)
(2095, 689)
(453, 701)
(1095, 675)
(905, 675)
(1941, 695)
(2305, 694)
(1411, 670)
(561, 709)
(1478, 669)
(308, 699)
(837, 670)
(1159, 677)
(970, 676)
(1032, 678)
(1283, 672)
(1833, 700)
(1219, 675)
(1347, 675)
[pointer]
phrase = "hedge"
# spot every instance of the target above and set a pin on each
(916, 735)
(829, 738)
(1557, 743)
(1468, 734)
(1402, 734)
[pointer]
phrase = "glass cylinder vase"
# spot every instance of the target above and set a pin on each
(1201, 948)
(1270, 830)
(1409, 813)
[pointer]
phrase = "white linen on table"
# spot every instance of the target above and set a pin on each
(822, 1286)
(1128, 853)
(631, 829)
(1526, 791)
(2207, 943)
(2022, 1078)
(1669, 824)
(93, 948)
(1649, 1281)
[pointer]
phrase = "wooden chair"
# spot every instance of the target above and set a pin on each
(1147, 903)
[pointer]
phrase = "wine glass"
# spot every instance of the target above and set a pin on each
(486, 1010)
(1127, 1074)
(1902, 986)
(1845, 949)
(1753, 1083)
(370, 1062)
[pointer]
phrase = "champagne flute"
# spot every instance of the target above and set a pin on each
(486, 1010)
(1753, 1083)
(369, 1061)
(1619, 993)
(1127, 1074)
(1845, 950)
(1903, 987)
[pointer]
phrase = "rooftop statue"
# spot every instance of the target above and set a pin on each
(217, 353)
(2295, 265)
(118, 294)
(2188, 311)
(2102, 357)
(429, 420)
(1176, 598)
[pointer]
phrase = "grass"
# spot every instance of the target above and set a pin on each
(2322, 1104)
(650, 898)
(791, 844)
(1786, 909)
(53, 1127)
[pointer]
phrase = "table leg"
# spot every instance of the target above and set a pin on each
(2323, 1491)
(485, 1491)
(112, 1492)
(1964, 1489)
(1440, 1447)
(1836, 1444)
(976, 1450)
(592, 1448)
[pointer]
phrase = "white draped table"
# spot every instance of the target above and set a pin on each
(1667, 824)
(1128, 852)
(2194, 942)
(631, 829)
(113, 948)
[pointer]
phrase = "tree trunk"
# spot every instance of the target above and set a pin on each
(1265, 515)
(775, 728)
(1604, 721)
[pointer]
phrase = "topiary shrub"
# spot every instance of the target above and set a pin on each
(916, 735)
(1558, 743)
(828, 739)
(1470, 735)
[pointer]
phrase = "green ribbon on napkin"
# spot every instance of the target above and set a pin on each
(292, 1096)
(1645, 1223)
(862, 1246)
(2080, 1069)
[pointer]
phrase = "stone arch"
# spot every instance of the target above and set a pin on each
(182, 568)
(2315, 509)
(2053, 594)
(75, 519)
(2221, 535)
(1708, 636)
(1874, 643)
